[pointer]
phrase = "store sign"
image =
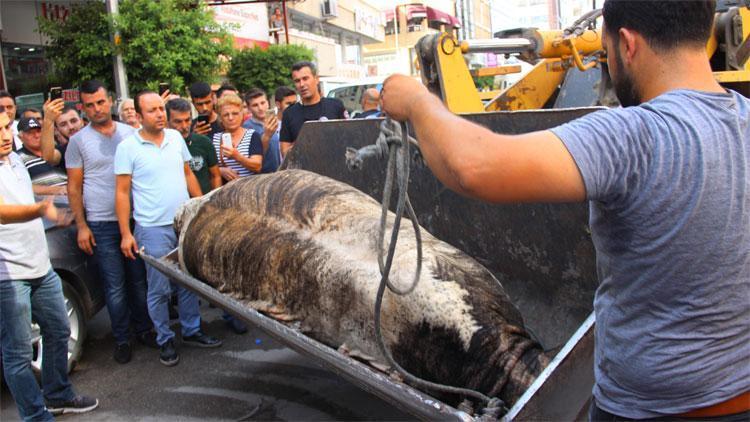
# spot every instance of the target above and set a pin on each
(248, 23)
(368, 23)
(55, 11)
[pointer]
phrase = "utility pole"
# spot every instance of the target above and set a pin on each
(395, 23)
(121, 78)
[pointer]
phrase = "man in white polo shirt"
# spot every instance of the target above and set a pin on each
(153, 165)
(29, 287)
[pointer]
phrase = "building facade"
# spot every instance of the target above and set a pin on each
(406, 24)
(475, 17)
(337, 32)
(542, 14)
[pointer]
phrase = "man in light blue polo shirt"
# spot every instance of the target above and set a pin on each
(153, 165)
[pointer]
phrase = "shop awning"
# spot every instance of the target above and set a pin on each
(436, 15)
(412, 11)
(418, 11)
(415, 11)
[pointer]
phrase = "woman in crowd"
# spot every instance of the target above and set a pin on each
(244, 156)
(127, 113)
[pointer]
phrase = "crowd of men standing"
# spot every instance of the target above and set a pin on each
(124, 181)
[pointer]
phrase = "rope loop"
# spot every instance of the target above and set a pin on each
(394, 143)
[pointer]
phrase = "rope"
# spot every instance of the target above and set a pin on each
(393, 143)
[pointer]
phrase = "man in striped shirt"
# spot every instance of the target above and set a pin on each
(45, 179)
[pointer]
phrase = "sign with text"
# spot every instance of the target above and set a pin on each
(248, 23)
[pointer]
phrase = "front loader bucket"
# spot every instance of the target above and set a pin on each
(541, 253)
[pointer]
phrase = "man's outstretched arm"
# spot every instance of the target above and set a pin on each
(476, 162)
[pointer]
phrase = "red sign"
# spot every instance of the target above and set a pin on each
(71, 95)
(55, 12)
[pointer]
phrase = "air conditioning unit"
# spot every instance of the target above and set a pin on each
(328, 9)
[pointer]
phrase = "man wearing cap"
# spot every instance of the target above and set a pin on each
(46, 179)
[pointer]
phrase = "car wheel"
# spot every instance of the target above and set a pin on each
(77, 319)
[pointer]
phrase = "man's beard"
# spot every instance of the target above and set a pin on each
(625, 85)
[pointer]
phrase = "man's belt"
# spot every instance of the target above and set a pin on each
(736, 404)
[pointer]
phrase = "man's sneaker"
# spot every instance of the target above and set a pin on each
(79, 404)
(148, 339)
(123, 353)
(168, 354)
(237, 326)
(201, 340)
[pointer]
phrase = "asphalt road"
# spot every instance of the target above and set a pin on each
(251, 377)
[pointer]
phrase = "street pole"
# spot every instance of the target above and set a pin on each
(395, 23)
(286, 22)
(121, 78)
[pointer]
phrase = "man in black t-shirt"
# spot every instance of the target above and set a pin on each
(204, 101)
(312, 106)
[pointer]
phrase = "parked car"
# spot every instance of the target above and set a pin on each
(351, 95)
(84, 296)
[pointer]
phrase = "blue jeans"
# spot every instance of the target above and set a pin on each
(124, 282)
(43, 299)
(159, 241)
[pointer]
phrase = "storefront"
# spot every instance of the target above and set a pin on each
(24, 65)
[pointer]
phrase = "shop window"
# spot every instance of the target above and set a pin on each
(26, 68)
(414, 25)
(390, 28)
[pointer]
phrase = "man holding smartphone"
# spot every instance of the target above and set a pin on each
(60, 123)
(265, 122)
(204, 100)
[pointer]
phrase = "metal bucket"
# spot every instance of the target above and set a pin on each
(541, 253)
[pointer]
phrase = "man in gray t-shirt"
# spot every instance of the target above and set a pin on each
(89, 159)
(668, 180)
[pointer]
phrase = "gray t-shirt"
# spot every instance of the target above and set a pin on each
(23, 246)
(95, 154)
(669, 185)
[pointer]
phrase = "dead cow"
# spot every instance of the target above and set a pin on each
(302, 246)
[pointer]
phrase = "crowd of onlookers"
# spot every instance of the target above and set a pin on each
(124, 178)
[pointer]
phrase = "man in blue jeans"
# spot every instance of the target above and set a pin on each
(29, 287)
(89, 158)
(153, 165)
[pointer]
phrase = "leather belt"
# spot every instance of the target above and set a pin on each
(736, 404)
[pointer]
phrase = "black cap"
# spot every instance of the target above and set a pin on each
(28, 123)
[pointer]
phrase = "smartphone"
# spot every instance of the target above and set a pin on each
(201, 119)
(163, 87)
(226, 140)
(272, 111)
(55, 93)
